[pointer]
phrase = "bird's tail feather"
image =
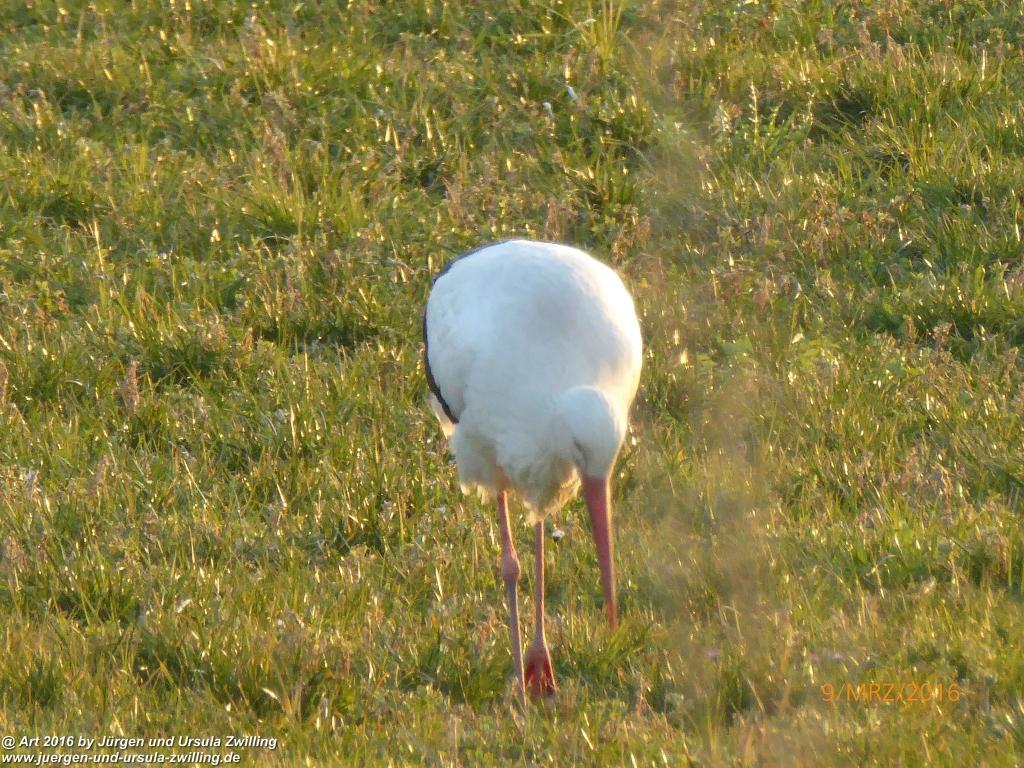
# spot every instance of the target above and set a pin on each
(446, 424)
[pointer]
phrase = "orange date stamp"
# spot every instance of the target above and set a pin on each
(892, 693)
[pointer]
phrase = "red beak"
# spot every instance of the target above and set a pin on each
(597, 495)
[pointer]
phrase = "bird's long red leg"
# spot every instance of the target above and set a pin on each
(510, 574)
(540, 678)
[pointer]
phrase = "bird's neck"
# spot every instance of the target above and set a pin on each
(590, 429)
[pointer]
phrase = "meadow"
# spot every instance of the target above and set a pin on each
(225, 508)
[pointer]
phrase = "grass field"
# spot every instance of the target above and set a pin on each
(226, 510)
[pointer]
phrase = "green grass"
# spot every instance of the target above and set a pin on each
(225, 509)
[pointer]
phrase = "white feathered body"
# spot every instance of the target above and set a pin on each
(510, 328)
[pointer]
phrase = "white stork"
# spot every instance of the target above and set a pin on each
(533, 354)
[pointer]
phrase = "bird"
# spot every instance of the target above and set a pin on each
(532, 354)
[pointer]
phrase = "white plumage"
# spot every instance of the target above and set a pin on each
(512, 328)
(533, 354)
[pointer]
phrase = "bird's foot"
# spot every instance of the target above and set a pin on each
(540, 679)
